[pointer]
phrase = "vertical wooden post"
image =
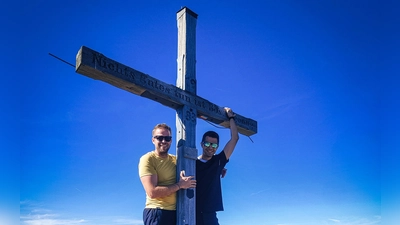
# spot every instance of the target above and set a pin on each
(186, 116)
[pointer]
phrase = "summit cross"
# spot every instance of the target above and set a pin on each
(181, 97)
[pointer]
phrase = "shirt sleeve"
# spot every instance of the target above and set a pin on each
(222, 157)
(146, 167)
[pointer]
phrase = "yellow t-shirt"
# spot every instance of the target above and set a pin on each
(165, 169)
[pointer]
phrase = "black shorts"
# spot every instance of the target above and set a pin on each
(159, 216)
(206, 218)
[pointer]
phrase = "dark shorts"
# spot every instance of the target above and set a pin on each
(159, 217)
(206, 218)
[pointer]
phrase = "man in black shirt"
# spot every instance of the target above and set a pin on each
(209, 168)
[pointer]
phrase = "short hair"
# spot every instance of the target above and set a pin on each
(161, 126)
(211, 134)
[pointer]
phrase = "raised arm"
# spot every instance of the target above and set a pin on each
(230, 146)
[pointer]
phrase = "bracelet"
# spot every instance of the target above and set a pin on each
(231, 117)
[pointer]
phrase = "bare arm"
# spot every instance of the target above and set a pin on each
(153, 191)
(230, 146)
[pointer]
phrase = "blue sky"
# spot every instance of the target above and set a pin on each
(317, 76)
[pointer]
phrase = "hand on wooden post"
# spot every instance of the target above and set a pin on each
(229, 113)
(186, 182)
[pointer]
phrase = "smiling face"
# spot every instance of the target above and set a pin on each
(209, 151)
(161, 145)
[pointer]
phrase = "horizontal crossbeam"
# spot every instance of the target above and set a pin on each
(95, 65)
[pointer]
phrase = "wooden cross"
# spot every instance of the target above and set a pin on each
(181, 97)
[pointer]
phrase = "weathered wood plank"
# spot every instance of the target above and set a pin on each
(186, 115)
(97, 66)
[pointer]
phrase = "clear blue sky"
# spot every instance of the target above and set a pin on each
(315, 75)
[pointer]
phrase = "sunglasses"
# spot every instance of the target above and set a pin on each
(207, 144)
(161, 138)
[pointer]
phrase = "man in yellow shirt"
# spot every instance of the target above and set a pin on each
(157, 172)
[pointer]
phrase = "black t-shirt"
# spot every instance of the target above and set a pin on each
(208, 188)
